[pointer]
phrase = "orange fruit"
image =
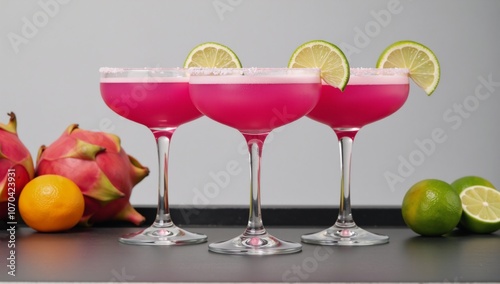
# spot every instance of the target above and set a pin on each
(51, 203)
(431, 207)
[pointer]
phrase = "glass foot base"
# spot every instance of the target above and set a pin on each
(163, 236)
(264, 244)
(340, 236)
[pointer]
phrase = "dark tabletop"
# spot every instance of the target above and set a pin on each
(95, 255)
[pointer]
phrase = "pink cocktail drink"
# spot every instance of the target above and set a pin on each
(157, 98)
(255, 101)
(255, 105)
(154, 102)
(370, 95)
(366, 99)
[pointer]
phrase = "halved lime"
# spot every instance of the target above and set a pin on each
(212, 54)
(481, 209)
(326, 56)
(417, 58)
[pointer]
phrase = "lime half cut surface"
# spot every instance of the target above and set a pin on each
(420, 60)
(325, 56)
(212, 55)
(481, 209)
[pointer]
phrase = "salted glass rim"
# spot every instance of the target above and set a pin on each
(143, 74)
(254, 75)
(115, 72)
(368, 71)
(251, 71)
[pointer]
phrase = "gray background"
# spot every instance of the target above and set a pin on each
(51, 52)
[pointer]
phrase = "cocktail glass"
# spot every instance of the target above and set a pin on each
(370, 95)
(157, 98)
(255, 101)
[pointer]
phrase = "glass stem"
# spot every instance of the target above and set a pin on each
(344, 218)
(163, 138)
(255, 225)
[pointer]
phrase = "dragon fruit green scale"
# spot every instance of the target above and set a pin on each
(16, 164)
(102, 169)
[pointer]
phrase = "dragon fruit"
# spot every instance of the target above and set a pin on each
(98, 164)
(15, 162)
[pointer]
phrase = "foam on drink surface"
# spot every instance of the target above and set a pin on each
(253, 76)
(378, 76)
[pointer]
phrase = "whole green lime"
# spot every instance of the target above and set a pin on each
(431, 207)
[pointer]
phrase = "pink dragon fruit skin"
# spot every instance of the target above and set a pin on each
(14, 158)
(98, 164)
